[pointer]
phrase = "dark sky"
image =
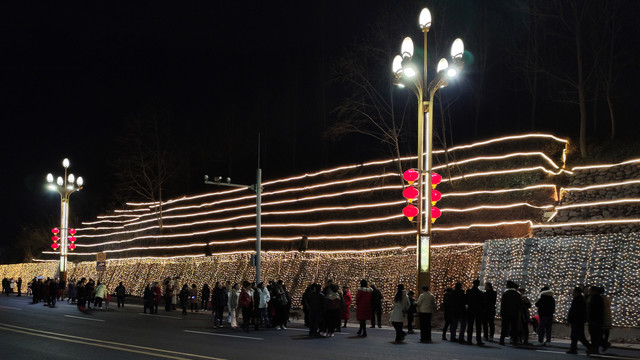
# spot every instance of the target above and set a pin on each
(219, 73)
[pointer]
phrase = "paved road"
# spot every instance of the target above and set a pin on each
(38, 332)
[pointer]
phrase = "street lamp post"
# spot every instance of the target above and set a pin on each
(407, 75)
(65, 186)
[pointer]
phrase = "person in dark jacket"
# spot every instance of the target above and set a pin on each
(595, 310)
(576, 318)
(376, 306)
(546, 308)
(147, 297)
(413, 306)
(363, 306)
(475, 312)
(488, 321)
(315, 307)
(459, 312)
(525, 317)
(448, 314)
(183, 296)
(510, 304)
(120, 293)
(205, 293)
(219, 299)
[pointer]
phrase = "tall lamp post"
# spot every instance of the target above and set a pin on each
(65, 186)
(406, 74)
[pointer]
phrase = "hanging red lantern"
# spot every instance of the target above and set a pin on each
(72, 246)
(55, 231)
(410, 176)
(435, 179)
(410, 193)
(55, 238)
(72, 231)
(55, 246)
(435, 213)
(435, 196)
(410, 212)
(72, 238)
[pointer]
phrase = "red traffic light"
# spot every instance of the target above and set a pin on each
(55, 231)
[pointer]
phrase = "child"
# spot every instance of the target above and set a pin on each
(106, 301)
(411, 312)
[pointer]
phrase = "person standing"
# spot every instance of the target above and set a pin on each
(120, 293)
(315, 307)
(204, 297)
(168, 295)
(183, 296)
(475, 301)
(193, 298)
(525, 317)
(448, 314)
(147, 297)
(19, 283)
(546, 308)
(157, 295)
(219, 300)
(607, 319)
(510, 304)
(576, 318)
(281, 302)
(263, 306)
(426, 306)
(233, 305)
(363, 306)
(245, 301)
(488, 321)
(595, 311)
(459, 312)
(400, 306)
(101, 293)
(332, 305)
(345, 314)
(376, 306)
(411, 312)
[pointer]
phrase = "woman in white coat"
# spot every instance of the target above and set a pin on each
(400, 307)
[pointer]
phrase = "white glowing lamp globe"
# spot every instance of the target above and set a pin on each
(442, 65)
(396, 66)
(80, 181)
(409, 71)
(425, 19)
(457, 49)
(407, 48)
(65, 163)
(50, 178)
(71, 178)
(60, 181)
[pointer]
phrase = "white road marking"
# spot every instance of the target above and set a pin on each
(9, 307)
(82, 318)
(162, 316)
(225, 335)
(605, 356)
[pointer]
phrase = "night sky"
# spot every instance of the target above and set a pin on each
(217, 74)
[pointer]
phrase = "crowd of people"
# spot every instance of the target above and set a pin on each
(327, 308)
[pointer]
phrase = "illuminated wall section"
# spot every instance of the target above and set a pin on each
(491, 189)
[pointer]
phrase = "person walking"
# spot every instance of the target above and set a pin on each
(546, 308)
(205, 293)
(376, 306)
(120, 293)
(459, 312)
(363, 306)
(510, 304)
(489, 319)
(576, 318)
(347, 300)
(475, 312)
(595, 312)
(400, 307)
(426, 306)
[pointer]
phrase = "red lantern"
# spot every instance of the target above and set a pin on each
(55, 231)
(55, 246)
(435, 179)
(435, 196)
(410, 212)
(410, 193)
(435, 213)
(72, 246)
(55, 238)
(72, 231)
(72, 238)
(410, 176)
